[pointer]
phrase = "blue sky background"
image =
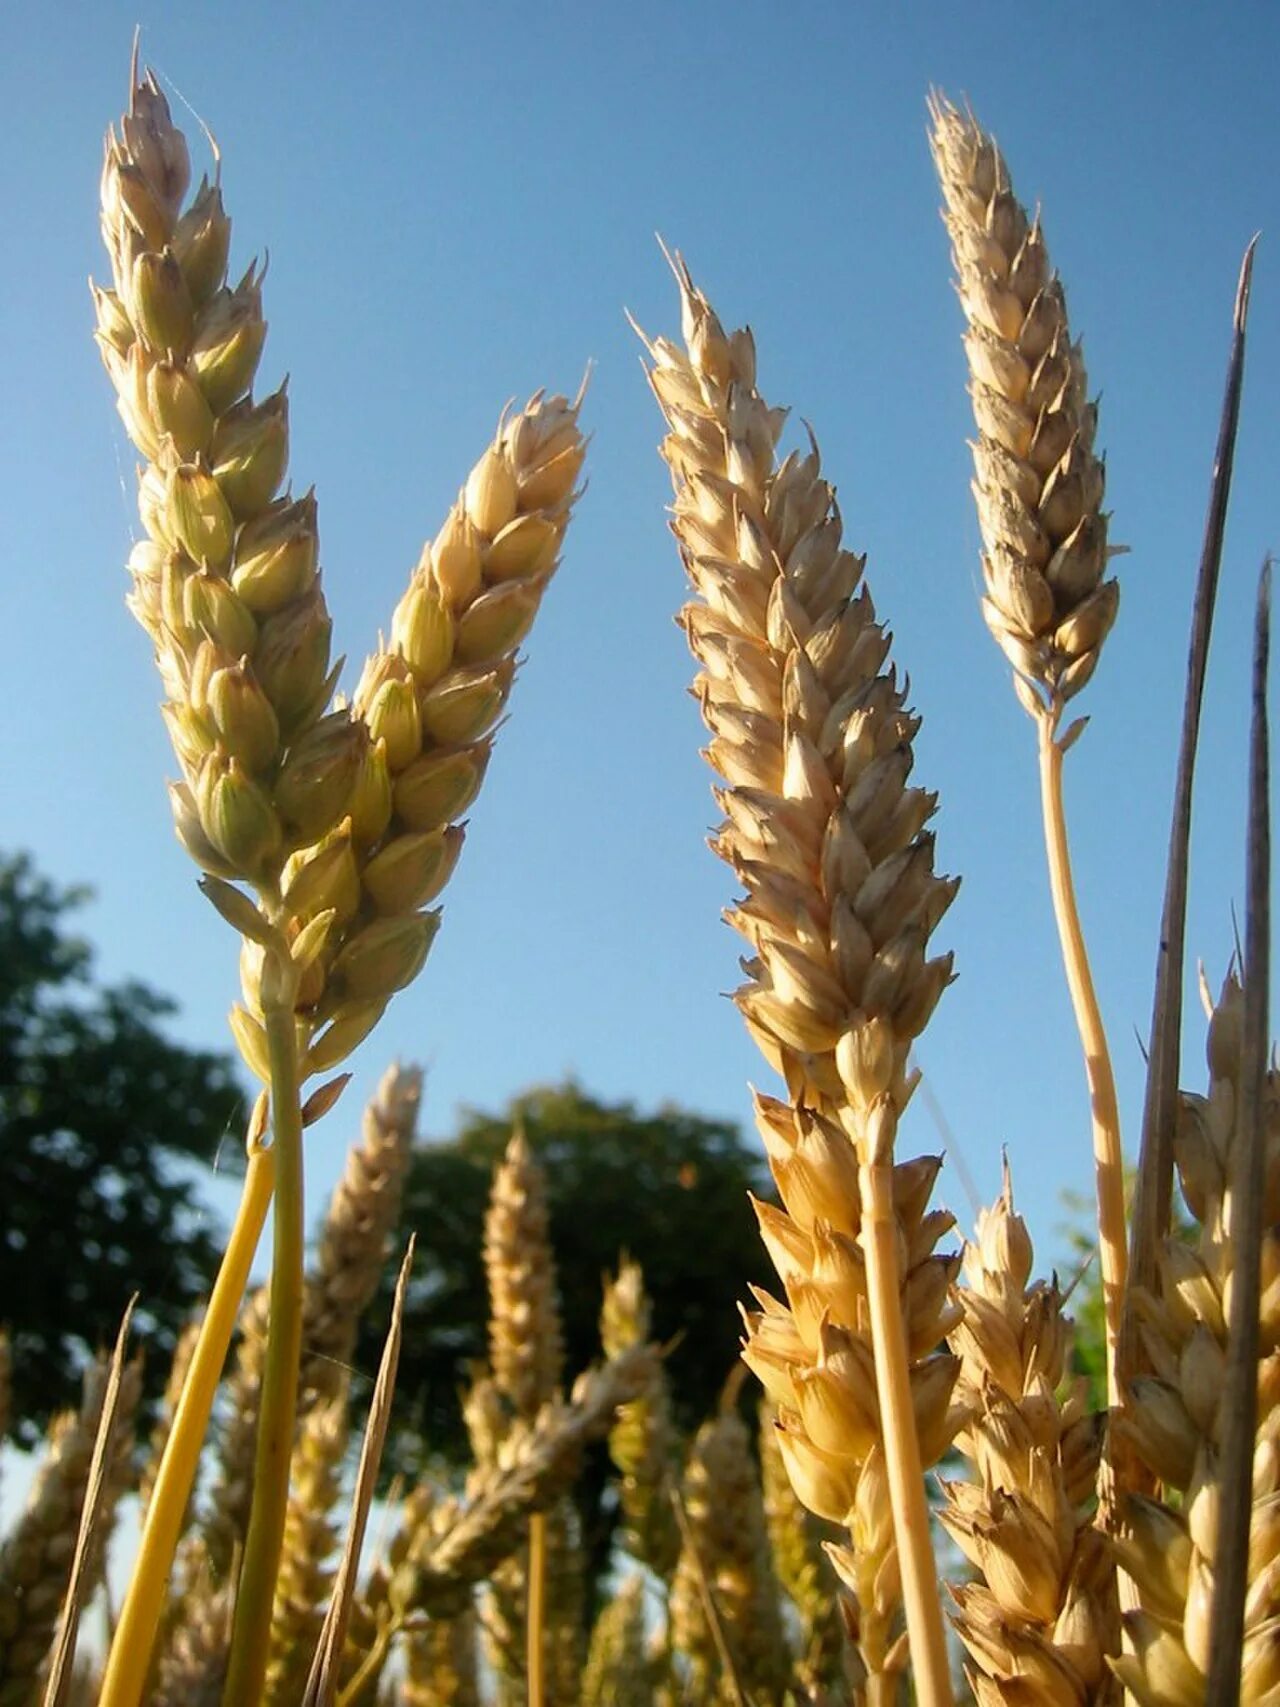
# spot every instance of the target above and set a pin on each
(459, 201)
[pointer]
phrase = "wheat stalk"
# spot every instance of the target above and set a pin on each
(812, 737)
(1039, 487)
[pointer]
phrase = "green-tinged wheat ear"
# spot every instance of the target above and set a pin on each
(618, 1672)
(526, 1344)
(1173, 1416)
(1041, 1614)
(1039, 483)
(726, 1552)
(311, 1542)
(802, 1568)
(642, 1443)
(812, 737)
(440, 1667)
(226, 582)
(427, 703)
(362, 1213)
(36, 1558)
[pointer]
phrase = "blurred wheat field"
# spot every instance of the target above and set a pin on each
(908, 1491)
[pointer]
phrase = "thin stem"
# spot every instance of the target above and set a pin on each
(251, 1631)
(931, 1672)
(537, 1607)
(130, 1658)
(1107, 1157)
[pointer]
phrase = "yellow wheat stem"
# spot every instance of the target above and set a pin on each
(251, 1631)
(537, 1593)
(130, 1656)
(1107, 1159)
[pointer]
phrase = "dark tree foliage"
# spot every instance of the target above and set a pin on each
(669, 1188)
(101, 1118)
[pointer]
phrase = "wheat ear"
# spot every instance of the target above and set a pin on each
(193, 1667)
(813, 739)
(642, 1443)
(440, 1663)
(1039, 488)
(618, 1672)
(726, 1552)
(1040, 1621)
(36, 1558)
(1174, 1416)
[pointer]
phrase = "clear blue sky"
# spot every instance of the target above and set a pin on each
(459, 201)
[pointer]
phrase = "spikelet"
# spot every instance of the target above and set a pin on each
(440, 1663)
(1039, 1621)
(362, 1213)
(803, 1570)
(183, 1352)
(642, 1443)
(1173, 1416)
(618, 1671)
(36, 1559)
(526, 1347)
(727, 1549)
(226, 582)
(308, 1558)
(1038, 483)
(812, 736)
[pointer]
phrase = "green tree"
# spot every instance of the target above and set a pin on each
(669, 1188)
(101, 1121)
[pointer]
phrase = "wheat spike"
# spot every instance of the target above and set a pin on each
(811, 734)
(36, 1558)
(311, 1540)
(618, 1672)
(526, 1346)
(1173, 1416)
(642, 1443)
(440, 1663)
(1042, 1617)
(362, 1214)
(727, 1550)
(1038, 483)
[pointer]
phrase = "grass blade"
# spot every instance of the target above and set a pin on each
(1154, 1184)
(1240, 1389)
(64, 1651)
(323, 1682)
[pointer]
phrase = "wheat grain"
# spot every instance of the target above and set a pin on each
(802, 1568)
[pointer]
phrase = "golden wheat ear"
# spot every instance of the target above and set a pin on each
(1039, 488)
(812, 737)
